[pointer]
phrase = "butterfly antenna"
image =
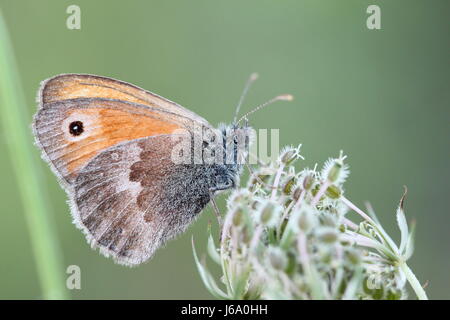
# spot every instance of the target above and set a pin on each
(283, 97)
(248, 84)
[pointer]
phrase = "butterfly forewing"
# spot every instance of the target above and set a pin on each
(72, 132)
(82, 115)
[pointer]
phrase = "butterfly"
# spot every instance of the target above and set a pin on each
(111, 144)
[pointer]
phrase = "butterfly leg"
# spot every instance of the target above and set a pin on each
(215, 208)
(212, 191)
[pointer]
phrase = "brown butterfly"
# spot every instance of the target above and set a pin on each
(111, 144)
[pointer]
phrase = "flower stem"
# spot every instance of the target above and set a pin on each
(390, 242)
(321, 192)
(277, 181)
(350, 204)
(415, 284)
(28, 175)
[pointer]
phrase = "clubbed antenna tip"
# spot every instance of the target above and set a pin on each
(254, 76)
(285, 97)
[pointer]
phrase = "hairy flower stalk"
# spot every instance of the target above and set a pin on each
(286, 236)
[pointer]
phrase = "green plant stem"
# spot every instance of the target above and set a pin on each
(415, 284)
(16, 129)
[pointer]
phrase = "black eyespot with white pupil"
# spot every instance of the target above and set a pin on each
(76, 128)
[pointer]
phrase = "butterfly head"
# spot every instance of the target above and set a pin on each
(236, 141)
(238, 136)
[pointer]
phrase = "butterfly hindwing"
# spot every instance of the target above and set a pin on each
(132, 198)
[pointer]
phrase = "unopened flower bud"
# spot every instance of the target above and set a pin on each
(287, 188)
(290, 154)
(333, 192)
(246, 234)
(277, 258)
(335, 170)
(308, 182)
(327, 235)
(306, 220)
(238, 196)
(238, 217)
(333, 175)
(296, 193)
(269, 213)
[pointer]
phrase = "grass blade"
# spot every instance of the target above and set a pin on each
(15, 123)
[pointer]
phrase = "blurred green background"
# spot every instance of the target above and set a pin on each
(380, 95)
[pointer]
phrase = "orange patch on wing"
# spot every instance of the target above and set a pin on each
(73, 91)
(105, 128)
(85, 86)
